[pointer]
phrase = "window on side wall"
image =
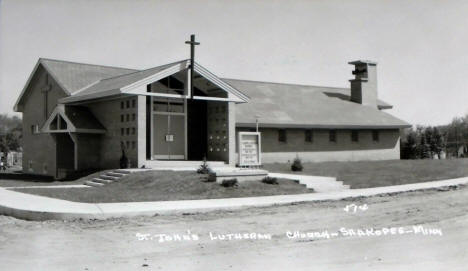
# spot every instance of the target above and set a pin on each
(309, 136)
(332, 136)
(375, 136)
(282, 135)
(355, 136)
(34, 129)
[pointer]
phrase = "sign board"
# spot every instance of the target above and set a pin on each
(249, 149)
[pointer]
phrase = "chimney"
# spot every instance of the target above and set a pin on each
(364, 84)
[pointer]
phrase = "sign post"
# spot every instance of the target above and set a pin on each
(249, 149)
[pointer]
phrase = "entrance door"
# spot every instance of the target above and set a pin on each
(168, 125)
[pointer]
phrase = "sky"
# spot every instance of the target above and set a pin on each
(420, 45)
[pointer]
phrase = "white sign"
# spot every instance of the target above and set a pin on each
(249, 149)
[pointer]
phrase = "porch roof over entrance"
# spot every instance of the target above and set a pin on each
(135, 83)
(72, 119)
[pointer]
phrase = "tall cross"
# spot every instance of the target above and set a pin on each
(192, 43)
(45, 90)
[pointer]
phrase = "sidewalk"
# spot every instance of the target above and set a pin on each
(31, 207)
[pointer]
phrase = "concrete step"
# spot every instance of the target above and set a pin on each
(103, 181)
(91, 183)
(116, 174)
(108, 177)
(122, 171)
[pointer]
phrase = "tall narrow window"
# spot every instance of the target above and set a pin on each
(128, 104)
(375, 135)
(309, 136)
(133, 103)
(332, 136)
(122, 105)
(34, 129)
(282, 135)
(354, 135)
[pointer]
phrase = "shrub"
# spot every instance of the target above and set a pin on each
(270, 180)
(229, 182)
(297, 164)
(204, 168)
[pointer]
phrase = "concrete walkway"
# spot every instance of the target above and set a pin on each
(27, 206)
(48, 186)
(318, 183)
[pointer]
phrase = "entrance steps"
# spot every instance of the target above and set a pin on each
(318, 183)
(108, 177)
(181, 165)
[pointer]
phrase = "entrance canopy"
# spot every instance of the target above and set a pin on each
(209, 86)
(72, 119)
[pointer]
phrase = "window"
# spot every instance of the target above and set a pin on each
(354, 136)
(122, 105)
(128, 131)
(309, 136)
(128, 104)
(122, 131)
(133, 144)
(133, 103)
(34, 129)
(122, 118)
(375, 135)
(128, 117)
(133, 130)
(282, 135)
(133, 117)
(332, 136)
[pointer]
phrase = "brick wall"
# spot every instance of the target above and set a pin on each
(321, 149)
(119, 117)
(39, 150)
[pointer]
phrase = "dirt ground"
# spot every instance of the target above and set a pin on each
(115, 245)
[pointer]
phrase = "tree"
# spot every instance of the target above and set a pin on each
(423, 148)
(10, 133)
(409, 149)
(437, 143)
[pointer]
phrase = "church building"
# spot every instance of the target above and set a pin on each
(80, 116)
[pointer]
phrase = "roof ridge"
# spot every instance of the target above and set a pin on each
(279, 83)
(82, 63)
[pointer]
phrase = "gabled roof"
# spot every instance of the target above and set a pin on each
(75, 76)
(277, 105)
(288, 105)
(115, 85)
(78, 119)
(128, 83)
(72, 76)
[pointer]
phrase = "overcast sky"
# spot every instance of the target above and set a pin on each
(420, 46)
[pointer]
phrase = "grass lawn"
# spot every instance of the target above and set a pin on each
(167, 185)
(366, 174)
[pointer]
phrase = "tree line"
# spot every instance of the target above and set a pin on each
(11, 133)
(425, 142)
